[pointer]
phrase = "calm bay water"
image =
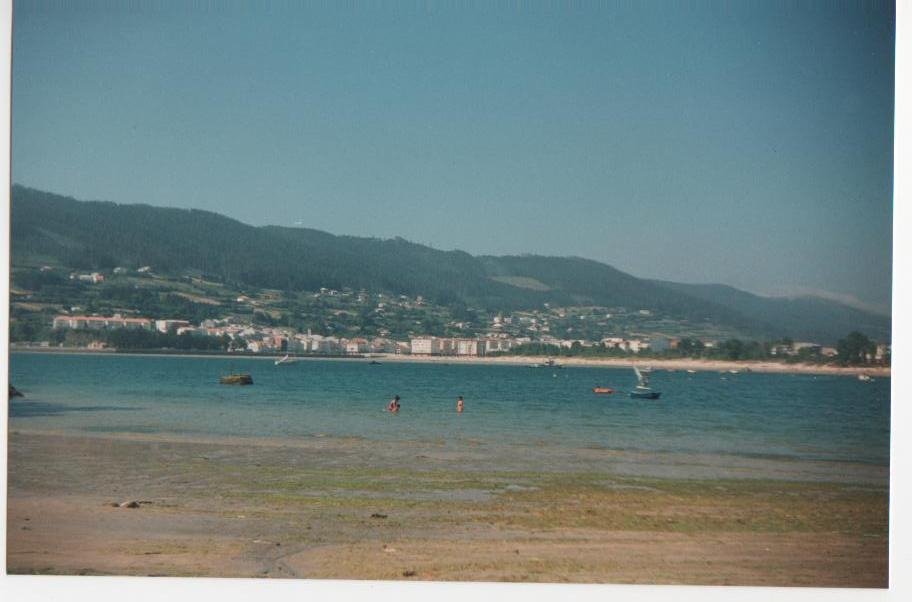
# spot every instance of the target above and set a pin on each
(509, 409)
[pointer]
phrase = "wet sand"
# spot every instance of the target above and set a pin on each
(341, 509)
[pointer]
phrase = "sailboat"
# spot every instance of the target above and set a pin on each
(642, 390)
(284, 360)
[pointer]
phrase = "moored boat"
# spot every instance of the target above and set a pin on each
(644, 393)
(236, 379)
(643, 390)
(548, 364)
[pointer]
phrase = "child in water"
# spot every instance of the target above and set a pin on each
(460, 405)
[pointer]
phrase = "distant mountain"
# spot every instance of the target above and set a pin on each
(805, 318)
(102, 235)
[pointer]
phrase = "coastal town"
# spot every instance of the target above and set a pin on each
(265, 339)
(140, 309)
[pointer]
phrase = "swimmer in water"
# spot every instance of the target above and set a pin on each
(460, 404)
(393, 405)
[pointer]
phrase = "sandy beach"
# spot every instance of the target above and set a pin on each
(699, 365)
(334, 508)
(659, 364)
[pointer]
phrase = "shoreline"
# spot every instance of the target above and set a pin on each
(699, 365)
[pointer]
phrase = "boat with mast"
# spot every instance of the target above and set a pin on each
(643, 390)
(285, 360)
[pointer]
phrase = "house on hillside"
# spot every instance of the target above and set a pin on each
(101, 322)
(167, 325)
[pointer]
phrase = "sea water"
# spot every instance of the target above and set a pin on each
(745, 424)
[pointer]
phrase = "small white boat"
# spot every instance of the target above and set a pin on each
(284, 360)
(643, 390)
(864, 378)
(548, 364)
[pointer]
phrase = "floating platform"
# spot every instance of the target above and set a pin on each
(236, 379)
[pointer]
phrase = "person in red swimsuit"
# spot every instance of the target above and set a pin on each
(393, 405)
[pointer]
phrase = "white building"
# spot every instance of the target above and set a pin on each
(424, 346)
(166, 325)
(94, 277)
(468, 347)
(382, 345)
(568, 343)
(357, 345)
(497, 345)
(636, 345)
(101, 322)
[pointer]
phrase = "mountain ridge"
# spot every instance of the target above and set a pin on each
(104, 234)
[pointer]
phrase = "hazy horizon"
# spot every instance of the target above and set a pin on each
(746, 144)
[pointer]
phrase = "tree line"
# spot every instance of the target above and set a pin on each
(855, 349)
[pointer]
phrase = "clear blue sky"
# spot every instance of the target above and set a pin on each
(747, 143)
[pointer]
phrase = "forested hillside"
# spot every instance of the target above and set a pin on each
(49, 228)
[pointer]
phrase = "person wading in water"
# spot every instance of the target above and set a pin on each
(393, 405)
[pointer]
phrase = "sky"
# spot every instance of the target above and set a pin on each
(743, 143)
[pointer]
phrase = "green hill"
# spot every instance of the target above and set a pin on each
(49, 228)
(804, 318)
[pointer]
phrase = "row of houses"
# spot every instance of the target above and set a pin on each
(269, 339)
(796, 348)
(635, 345)
(116, 321)
(261, 339)
(880, 351)
(102, 322)
(94, 277)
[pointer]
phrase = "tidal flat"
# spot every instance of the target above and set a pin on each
(335, 508)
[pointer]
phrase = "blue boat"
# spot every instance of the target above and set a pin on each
(643, 390)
